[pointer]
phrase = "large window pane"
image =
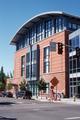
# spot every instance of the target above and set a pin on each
(34, 55)
(48, 28)
(27, 57)
(23, 66)
(46, 59)
(33, 70)
(27, 71)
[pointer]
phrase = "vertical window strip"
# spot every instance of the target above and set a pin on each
(48, 28)
(46, 59)
(23, 65)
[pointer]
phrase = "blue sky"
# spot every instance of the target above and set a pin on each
(14, 13)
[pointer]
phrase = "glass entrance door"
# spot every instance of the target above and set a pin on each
(78, 91)
(72, 91)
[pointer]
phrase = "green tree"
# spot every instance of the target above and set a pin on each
(2, 79)
(9, 86)
(41, 85)
(7, 75)
(2, 86)
(11, 75)
(23, 85)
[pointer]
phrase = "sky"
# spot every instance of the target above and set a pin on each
(14, 13)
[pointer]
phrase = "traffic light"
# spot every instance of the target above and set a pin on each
(60, 48)
(77, 52)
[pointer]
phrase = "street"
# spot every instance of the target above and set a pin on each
(12, 109)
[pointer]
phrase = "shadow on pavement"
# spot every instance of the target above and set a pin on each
(5, 118)
(6, 103)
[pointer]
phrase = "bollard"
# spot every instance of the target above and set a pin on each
(74, 98)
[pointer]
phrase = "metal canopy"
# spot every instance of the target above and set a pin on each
(37, 18)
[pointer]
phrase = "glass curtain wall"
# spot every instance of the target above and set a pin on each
(74, 68)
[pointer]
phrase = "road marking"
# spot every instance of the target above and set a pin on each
(36, 109)
(19, 102)
(72, 118)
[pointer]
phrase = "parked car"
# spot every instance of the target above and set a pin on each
(28, 94)
(9, 94)
(4, 94)
(20, 94)
(24, 94)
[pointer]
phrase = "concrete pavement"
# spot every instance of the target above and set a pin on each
(39, 100)
(36, 110)
(62, 100)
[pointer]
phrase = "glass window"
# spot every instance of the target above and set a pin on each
(46, 59)
(70, 49)
(23, 66)
(34, 55)
(27, 71)
(78, 63)
(70, 25)
(39, 32)
(32, 35)
(78, 26)
(46, 52)
(33, 70)
(74, 42)
(59, 24)
(27, 57)
(74, 26)
(77, 41)
(70, 64)
(46, 67)
(17, 46)
(23, 43)
(27, 39)
(48, 28)
(74, 63)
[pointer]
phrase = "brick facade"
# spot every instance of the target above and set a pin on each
(58, 63)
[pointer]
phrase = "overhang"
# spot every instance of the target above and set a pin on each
(22, 30)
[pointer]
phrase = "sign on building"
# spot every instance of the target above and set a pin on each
(52, 46)
(54, 81)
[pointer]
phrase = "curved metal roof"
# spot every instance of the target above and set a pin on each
(35, 19)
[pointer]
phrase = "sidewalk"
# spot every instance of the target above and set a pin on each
(63, 100)
(70, 101)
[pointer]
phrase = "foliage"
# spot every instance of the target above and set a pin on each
(9, 86)
(41, 84)
(23, 85)
(11, 75)
(2, 75)
(7, 75)
(2, 86)
(2, 79)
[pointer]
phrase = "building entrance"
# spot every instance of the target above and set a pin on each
(75, 91)
(72, 91)
(78, 90)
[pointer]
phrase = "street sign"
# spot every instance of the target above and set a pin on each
(54, 81)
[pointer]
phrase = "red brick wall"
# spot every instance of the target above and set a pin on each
(17, 65)
(58, 63)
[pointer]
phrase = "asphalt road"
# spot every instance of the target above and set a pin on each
(11, 109)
